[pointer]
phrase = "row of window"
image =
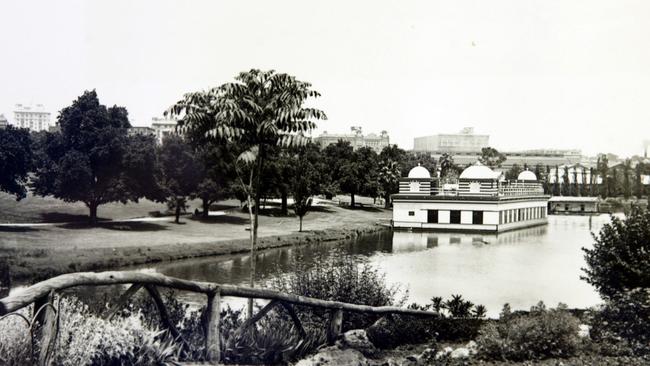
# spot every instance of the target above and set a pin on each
(505, 216)
(521, 214)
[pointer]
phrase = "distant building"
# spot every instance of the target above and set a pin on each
(543, 157)
(33, 117)
(356, 139)
(163, 127)
(573, 205)
(141, 130)
(3, 121)
(465, 142)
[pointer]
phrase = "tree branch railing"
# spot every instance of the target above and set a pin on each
(41, 292)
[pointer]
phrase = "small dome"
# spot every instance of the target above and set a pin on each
(527, 175)
(478, 171)
(419, 172)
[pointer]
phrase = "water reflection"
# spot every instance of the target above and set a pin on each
(518, 267)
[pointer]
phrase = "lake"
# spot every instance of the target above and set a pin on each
(520, 267)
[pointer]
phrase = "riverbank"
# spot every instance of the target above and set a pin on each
(39, 252)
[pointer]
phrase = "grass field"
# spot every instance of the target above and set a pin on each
(71, 245)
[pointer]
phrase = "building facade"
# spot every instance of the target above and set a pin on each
(141, 130)
(163, 127)
(465, 142)
(481, 201)
(356, 138)
(32, 117)
(3, 121)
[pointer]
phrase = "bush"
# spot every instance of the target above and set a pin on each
(620, 258)
(341, 278)
(537, 335)
(15, 340)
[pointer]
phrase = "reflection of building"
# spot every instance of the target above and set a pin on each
(3, 121)
(570, 204)
(481, 201)
(464, 142)
(163, 127)
(33, 117)
(356, 139)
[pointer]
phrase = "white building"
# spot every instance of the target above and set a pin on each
(463, 142)
(33, 117)
(3, 121)
(356, 139)
(163, 127)
(481, 201)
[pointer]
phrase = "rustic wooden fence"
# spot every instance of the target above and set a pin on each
(42, 296)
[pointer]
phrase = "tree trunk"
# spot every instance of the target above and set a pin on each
(300, 224)
(285, 206)
(206, 207)
(258, 185)
(352, 204)
(178, 211)
(93, 212)
(387, 201)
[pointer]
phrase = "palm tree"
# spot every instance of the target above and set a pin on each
(389, 175)
(259, 110)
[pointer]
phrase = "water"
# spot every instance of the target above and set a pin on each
(520, 267)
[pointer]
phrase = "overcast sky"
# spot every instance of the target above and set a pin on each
(531, 74)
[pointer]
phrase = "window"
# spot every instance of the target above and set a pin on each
(582, 207)
(411, 213)
(454, 216)
(477, 217)
(566, 207)
(432, 216)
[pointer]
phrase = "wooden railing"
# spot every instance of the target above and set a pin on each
(42, 295)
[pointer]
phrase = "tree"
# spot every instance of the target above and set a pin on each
(603, 170)
(306, 182)
(180, 172)
(15, 160)
(566, 184)
(557, 191)
(446, 163)
(513, 172)
(491, 157)
(613, 183)
(358, 174)
(620, 258)
(259, 110)
(627, 186)
(92, 159)
(391, 162)
(638, 180)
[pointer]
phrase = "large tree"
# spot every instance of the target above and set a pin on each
(306, 182)
(391, 168)
(491, 157)
(15, 160)
(259, 110)
(92, 159)
(354, 171)
(180, 172)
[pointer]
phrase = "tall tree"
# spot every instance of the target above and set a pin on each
(446, 163)
(391, 162)
(180, 172)
(359, 174)
(92, 159)
(627, 186)
(638, 180)
(566, 183)
(306, 182)
(513, 172)
(260, 109)
(576, 186)
(491, 157)
(603, 170)
(613, 183)
(15, 161)
(557, 191)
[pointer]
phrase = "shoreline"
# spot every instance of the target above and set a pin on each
(28, 269)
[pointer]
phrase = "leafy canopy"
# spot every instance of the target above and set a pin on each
(15, 160)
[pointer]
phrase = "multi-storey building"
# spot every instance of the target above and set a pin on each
(465, 142)
(33, 117)
(163, 127)
(141, 130)
(356, 139)
(3, 121)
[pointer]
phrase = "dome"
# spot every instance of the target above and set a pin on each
(478, 171)
(527, 175)
(419, 172)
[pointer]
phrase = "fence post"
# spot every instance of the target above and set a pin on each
(49, 331)
(212, 335)
(334, 326)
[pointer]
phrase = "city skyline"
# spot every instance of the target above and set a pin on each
(531, 75)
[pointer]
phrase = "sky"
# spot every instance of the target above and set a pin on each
(531, 74)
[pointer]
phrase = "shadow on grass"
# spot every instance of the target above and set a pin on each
(60, 217)
(17, 229)
(362, 208)
(222, 219)
(119, 226)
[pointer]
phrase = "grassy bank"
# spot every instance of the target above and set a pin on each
(39, 252)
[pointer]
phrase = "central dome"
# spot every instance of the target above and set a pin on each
(526, 175)
(419, 172)
(478, 171)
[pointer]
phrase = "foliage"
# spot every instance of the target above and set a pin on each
(446, 163)
(15, 340)
(542, 333)
(15, 160)
(217, 173)
(620, 258)
(491, 157)
(391, 165)
(513, 172)
(92, 159)
(341, 278)
(358, 174)
(180, 172)
(307, 178)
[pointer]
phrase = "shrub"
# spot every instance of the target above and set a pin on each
(537, 335)
(15, 340)
(341, 278)
(620, 258)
